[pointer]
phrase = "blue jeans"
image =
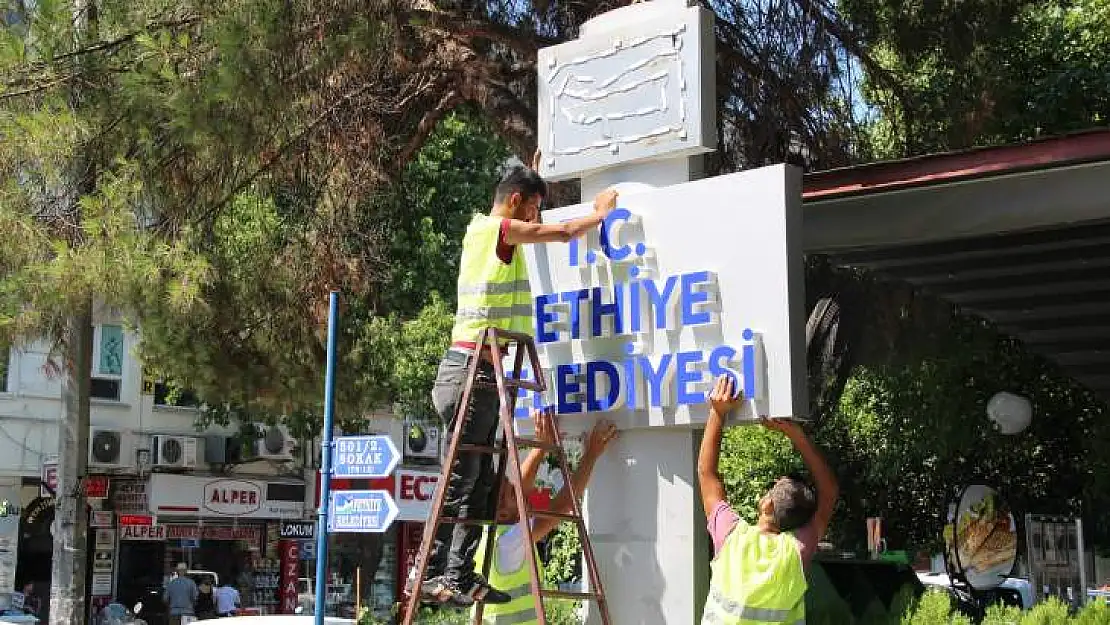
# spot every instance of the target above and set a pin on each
(472, 476)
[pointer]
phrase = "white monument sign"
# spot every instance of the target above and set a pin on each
(683, 283)
(686, 280)
(642, 90)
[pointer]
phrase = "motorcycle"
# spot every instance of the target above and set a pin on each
(117, 614)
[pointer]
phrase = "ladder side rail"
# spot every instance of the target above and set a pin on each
(518, 481)
(583, 535)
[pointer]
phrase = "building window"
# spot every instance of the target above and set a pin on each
(107, 374)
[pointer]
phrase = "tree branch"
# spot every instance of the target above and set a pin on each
(426, 125)
(461, 28)
(851, 43)
(101, 46)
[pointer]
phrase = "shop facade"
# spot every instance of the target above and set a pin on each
(369, 569)
(223, 528)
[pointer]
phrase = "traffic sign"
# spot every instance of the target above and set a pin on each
(361, 511)
(364, 456)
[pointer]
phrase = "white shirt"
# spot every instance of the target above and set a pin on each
(227, 598)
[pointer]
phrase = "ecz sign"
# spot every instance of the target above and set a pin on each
(415, 490)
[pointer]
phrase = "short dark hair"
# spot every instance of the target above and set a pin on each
(794, 503)
(523, 180)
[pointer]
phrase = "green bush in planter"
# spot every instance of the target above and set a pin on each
(1002, 615)
(934, 608)
(1094, 613)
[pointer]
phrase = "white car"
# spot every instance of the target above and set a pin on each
(276, 619)
(1020, 587)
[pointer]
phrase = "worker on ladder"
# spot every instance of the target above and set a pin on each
(493, 291)
(758, 571)
(509, 569)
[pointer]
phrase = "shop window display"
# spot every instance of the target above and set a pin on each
(368, 560)
(238, 554)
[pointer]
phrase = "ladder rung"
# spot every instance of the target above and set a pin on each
(460, 521)
(524, 441)
(512, 383)
(562, 516)
(513, 336)
(485, 449)
(562, 594)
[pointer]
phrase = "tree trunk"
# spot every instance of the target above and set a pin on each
(67, 576)
(832, 332)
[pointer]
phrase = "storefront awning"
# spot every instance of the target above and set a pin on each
(1019, 235)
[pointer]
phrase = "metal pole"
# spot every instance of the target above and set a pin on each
(325, 462)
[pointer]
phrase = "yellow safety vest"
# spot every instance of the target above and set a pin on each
(490, 292)
(515, 582)
(757, 580)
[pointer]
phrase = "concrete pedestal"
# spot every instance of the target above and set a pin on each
(647, 528)
(642, 507)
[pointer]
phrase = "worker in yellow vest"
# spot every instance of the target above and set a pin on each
(758, 571)
(493, 290)
(509, 569)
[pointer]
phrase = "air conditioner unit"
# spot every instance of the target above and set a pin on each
(111, 448)
(274, 443)
(174, 452)
(421, 440)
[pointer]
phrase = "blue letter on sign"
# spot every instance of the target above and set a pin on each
(690, 297)
(600, 309)
(575, 298)
(543, 318)
(718, 364)
(606, 239)
(593, 403)
(567, 387)
(683, 377)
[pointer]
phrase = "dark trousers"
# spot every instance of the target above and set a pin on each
(472, 478)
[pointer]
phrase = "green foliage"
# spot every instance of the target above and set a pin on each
(250, 353)
(934, 608)
(564, 553)
(982, 72)
(231, 167)
(450, 180)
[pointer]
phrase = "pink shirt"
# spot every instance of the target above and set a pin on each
(723, 519)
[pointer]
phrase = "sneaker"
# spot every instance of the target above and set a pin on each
(441, 590)
(478, 589)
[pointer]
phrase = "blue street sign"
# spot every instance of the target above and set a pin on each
(308, 550)
(361, 511)
(364, 456)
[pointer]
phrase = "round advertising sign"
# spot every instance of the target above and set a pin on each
(981, 537)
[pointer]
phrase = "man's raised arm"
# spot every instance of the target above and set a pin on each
(827, 488)
(597, 440)
(721, 402)
(520, 232)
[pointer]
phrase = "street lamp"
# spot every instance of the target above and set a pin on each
(1011, 413)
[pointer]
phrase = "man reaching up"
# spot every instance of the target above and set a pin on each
(509, 569)
(758, 571)
(493, 291)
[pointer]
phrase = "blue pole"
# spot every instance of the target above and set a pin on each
(325, 462)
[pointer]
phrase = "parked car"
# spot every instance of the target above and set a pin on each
(1014, 591)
